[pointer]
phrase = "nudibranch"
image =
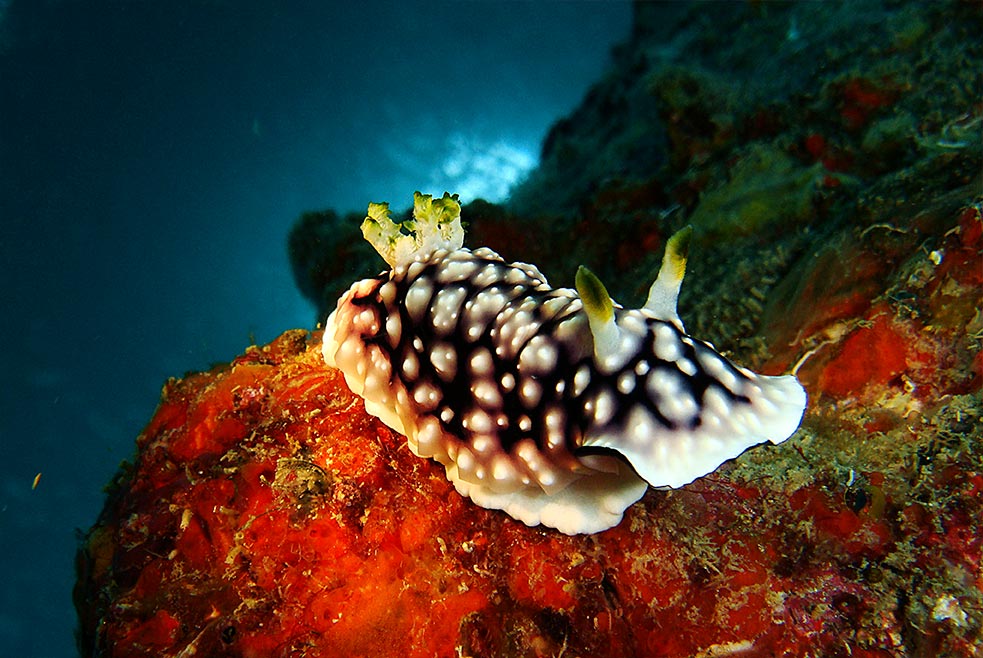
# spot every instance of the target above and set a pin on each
(558, 406)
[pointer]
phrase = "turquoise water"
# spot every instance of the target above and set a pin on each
(153, 158)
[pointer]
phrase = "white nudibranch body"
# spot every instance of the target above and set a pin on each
(559, 407)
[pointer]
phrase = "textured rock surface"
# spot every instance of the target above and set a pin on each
(266, 514)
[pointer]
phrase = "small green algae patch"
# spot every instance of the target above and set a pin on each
(767, 190)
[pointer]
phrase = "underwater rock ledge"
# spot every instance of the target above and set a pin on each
(267, 514)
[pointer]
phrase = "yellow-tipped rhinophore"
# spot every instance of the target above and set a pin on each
(599, 308)
(597, 301)
(677, 251)
(664, 292)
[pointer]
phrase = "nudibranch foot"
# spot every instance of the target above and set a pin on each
(558, 406)
(587, 505)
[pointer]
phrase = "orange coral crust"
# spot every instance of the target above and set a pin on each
(267, 514)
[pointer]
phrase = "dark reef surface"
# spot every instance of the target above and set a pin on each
(830, 159)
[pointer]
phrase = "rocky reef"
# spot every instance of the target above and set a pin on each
(829, 157)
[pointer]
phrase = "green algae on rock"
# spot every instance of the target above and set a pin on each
(767, 192)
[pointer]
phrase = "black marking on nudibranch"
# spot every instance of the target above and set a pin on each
(487, 346)
(558, 406)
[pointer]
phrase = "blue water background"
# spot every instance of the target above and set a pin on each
(152, 159)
